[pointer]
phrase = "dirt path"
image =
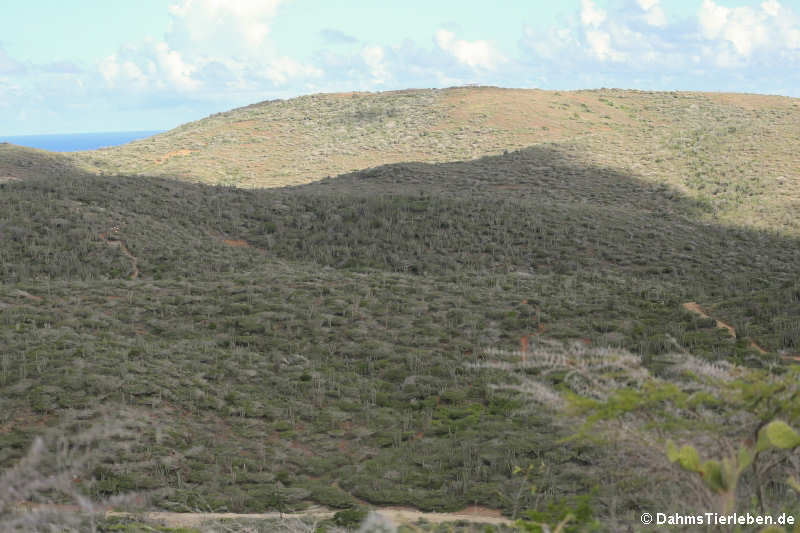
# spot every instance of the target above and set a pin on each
(480, 515)
(696, 309)
(116, 243)
(27, 295)
(398, 515)
(178, 520)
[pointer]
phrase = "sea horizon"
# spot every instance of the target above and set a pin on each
(77, 142)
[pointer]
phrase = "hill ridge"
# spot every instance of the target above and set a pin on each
(734, 152)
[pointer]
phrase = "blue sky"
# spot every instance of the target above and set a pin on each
(95, 65)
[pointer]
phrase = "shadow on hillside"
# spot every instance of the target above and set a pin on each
(539, 210)
(546, 172)
(542, 210)
(531, 208)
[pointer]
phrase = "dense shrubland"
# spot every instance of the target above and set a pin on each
(361, 338)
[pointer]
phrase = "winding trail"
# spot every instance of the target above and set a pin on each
(695, 308)
(117, 243)
(27, 295)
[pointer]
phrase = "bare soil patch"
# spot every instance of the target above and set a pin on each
(175, 153)
(237, 243)
(398, 515)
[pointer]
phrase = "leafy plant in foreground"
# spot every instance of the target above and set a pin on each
(722, 477)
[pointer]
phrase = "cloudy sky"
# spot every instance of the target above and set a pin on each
(95, 65)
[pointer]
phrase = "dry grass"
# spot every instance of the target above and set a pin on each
(44, 490)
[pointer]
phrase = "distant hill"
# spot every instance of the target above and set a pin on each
(735, 152)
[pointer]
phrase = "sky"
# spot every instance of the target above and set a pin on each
(95, 65)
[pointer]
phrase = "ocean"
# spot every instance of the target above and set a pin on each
(75, 142)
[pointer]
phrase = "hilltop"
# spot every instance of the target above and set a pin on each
(735, 152)
(409, 332)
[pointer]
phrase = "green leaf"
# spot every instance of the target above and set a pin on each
(689, 458)
(712, 475)
(780, 435)
(763, 441)
(672, 451)
(746, 456)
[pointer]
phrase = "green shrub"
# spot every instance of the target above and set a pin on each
(350, 518)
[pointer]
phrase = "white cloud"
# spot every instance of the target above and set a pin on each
(217, 54)
(600, 45)
(712, 18)
(474, 54)
(151, 66)
(373, 56)
(213, 27)
(771, 7)
(591, 15)
(638, 37)
(210, 46)
(174, 68)
(746, 31)
(108, 68)
(280, 71)
(647, 5)
(653, 13)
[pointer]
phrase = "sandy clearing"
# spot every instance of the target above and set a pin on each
(398, 515)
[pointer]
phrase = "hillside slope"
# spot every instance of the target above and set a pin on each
(735, 152)
(410, 333)
(402, 335)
